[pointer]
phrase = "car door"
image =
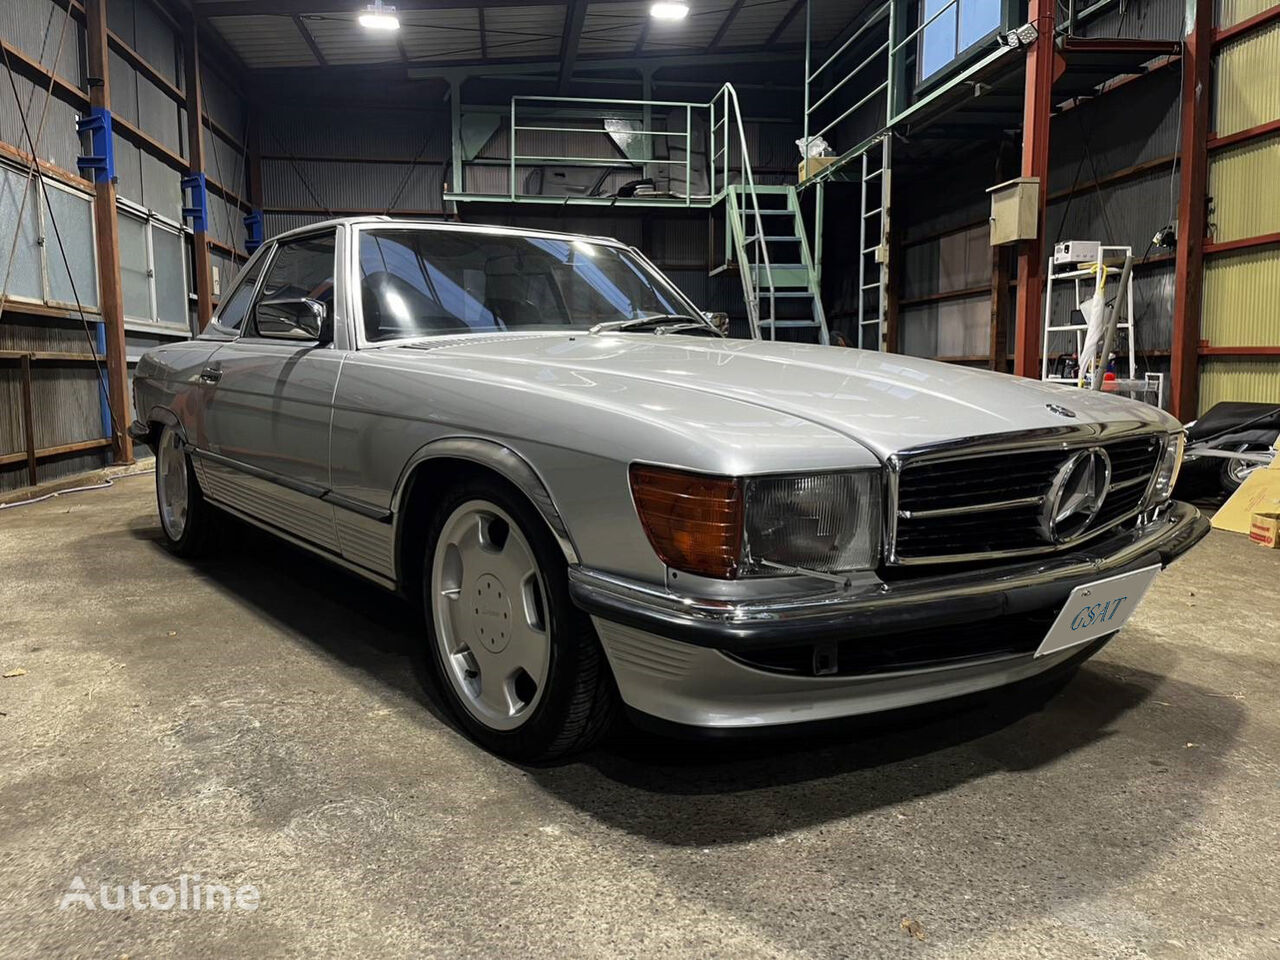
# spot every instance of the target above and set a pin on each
(268, 414)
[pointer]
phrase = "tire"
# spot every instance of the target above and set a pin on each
(519, 666)
(1232, 472)
(186, 518)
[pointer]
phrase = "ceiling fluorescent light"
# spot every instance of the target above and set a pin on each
(376, 16)
(669, 10)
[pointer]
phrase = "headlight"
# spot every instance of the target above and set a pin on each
(1167, 472)
(825, 522)
(726, 527)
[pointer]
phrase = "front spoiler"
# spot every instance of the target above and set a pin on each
(885, 607)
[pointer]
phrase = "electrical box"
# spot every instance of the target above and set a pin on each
(1076, 251)
(1015, 210)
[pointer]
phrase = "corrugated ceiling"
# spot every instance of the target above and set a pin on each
(267, 36)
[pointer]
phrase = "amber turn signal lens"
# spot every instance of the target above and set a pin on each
(693, 521)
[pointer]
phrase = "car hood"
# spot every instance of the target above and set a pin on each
(887, 402)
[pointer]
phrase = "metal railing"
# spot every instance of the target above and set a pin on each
(892, 54)
(727, 156)
(881, 14)
(601, 110)
(754, 266)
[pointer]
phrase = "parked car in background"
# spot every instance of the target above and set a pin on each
(1236, 438)
(599, 500)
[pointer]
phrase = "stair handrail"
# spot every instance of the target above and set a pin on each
(761, 253)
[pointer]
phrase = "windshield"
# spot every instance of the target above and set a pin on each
(417, 283)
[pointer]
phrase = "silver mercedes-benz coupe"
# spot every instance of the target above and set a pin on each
(600, 500)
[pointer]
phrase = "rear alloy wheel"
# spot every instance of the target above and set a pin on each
(519, 664)
(184, 514)
(1232, 473)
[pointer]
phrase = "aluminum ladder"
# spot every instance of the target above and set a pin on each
(873, 245)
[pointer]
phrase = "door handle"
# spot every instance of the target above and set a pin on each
(211, 374)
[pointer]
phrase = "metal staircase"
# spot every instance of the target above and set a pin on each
(767, 243)
(765, 239)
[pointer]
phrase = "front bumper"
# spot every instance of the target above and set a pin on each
(673, 656)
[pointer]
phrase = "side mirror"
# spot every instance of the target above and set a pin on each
(719, 320)
(298, 318)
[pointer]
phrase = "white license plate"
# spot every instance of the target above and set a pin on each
(1096, 609)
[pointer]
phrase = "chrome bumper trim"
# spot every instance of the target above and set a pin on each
(885, 607)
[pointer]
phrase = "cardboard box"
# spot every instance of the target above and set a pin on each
(1264, 529)
(811, 166)
(1260, 493)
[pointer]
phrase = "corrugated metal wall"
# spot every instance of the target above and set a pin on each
(1240, 101)
(1241, 306)
(1256, 380)
(1239, 178)
(66, 394)
(1242, 299)
(1231, 12)
(333, 161)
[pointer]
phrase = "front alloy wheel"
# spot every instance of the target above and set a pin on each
(490, 615)
(518, 663)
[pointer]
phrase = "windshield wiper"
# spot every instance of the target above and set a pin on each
(665, 323)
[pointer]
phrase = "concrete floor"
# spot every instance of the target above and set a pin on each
(253, 719)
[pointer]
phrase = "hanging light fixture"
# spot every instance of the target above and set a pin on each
(669, 10)
(379, 16)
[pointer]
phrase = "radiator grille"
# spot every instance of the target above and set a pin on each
(973, 506)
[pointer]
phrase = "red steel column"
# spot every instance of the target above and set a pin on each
(1036, 111)
(202, 276)
(1197, 77)
(110, 291)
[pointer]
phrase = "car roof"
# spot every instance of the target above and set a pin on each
(443, 225)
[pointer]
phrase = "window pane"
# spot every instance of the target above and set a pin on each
(977, 19)
(303, 268)
(171, 288)
(24, 276)
(133, 267)
(232, 309)
(423, 282)
(938, 42)
(75, 226)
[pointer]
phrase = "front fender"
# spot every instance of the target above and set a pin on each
(503, 461)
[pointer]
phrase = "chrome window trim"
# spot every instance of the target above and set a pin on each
(1064, 438)
(318, 231)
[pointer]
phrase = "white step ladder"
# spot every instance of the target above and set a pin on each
(1084, 280)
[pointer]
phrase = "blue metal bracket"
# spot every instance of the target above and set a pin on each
(198, 211)
(253, 231)
(102, 156)
(104, 402)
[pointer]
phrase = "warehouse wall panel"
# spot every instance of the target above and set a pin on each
(157, 42)
(950, 328)
(221, 103)
(35, 27)
(65, 397)
(1254, 380)
(1246, 92)
(1242, 184)
(1231, 12)
(1241, 298)
(58, 143)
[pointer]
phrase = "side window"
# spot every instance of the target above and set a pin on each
(301, 269)
(235, 307)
